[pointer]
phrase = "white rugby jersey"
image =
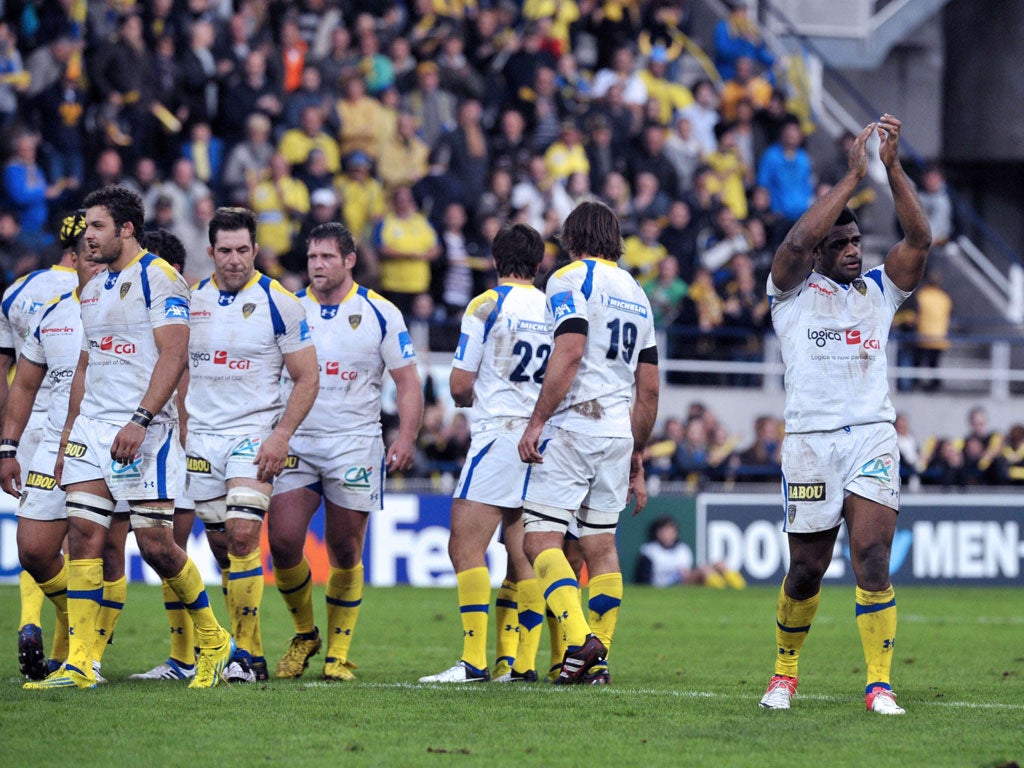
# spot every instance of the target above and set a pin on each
(56, 343)
(236, 354)
(120, 310)
(19, 312)
(355, 341)
(833, 339)
(620, 326)
(505, 341)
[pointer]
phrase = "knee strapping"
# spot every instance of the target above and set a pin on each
(151, 516)
(89, 506)
(246, 504)
(213, 513)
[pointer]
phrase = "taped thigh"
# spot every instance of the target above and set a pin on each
(213, 513)
(541, 518)
(246, 504)
(151, 516)
(592, 522)
(89, 506)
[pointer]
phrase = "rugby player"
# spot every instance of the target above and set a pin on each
(498, 369)
(47, 355)
(246, 331)
(338, 453)
(839, 458)
(587, 432)
(134, 350)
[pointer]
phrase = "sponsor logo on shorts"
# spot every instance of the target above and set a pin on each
(74, 450)
(405, 344)
(107, 344)
(291, 461)
(879, 468)
(247, 448)
(175, 308)
(40, 481)
(358, 478)
(562, 305)
(805, 492)
(247, 309)
(822, 336)
(130, 471)
(197, 464)
(221, 357)
(791, 513)
(125, 288)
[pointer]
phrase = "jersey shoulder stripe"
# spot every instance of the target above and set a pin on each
(18, 286)
(267, 284)
(381, 320)
(502, 291)
(568, 268)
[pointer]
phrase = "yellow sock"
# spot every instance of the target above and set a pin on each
(531, 618)
(188, 586)
(561, 592)
(85, 591)
(183, 641)
(557, 637)
(344, 596)
(114, 594)
(56, 590)
(245, 596)
(604, 602)
(296, 587)
(32, 598)
(792, 623)
(224, 577)
(474, 587)
(876, 620)
(506, 620)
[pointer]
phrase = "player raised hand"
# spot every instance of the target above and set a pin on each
(858, 152)
(889, 134)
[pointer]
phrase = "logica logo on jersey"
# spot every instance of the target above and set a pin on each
(57, 375)
(107, 344)
(822, 336)
(221, 357)
(199, 357)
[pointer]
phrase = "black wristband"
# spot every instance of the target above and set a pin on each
(9, 442)
(142, 417)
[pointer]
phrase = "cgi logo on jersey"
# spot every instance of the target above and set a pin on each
(562, 305)
(333, 368)
(854, 338)
(220, 357)
(107, 344)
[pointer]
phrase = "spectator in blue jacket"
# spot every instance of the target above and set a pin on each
(785, 171)
(737, 36)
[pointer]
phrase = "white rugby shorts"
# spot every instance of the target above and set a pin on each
(820, 469)
(493, 473)
(347, 470)
(583, 475)
(211, 460)
(41, 498)
(153, 475)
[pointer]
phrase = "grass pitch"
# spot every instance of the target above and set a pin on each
(688, 668)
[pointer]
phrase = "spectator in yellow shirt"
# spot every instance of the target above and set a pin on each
(403, 157)
(296, 143)
(406, 244)
(642, 252)
(280, 202)
(567, 155)
(363, 202)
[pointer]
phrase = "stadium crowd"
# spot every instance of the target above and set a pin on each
(423, 126)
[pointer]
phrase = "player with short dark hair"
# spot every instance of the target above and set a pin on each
(337, 454)
(840, 460)
(120, 439)
(498, 369)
